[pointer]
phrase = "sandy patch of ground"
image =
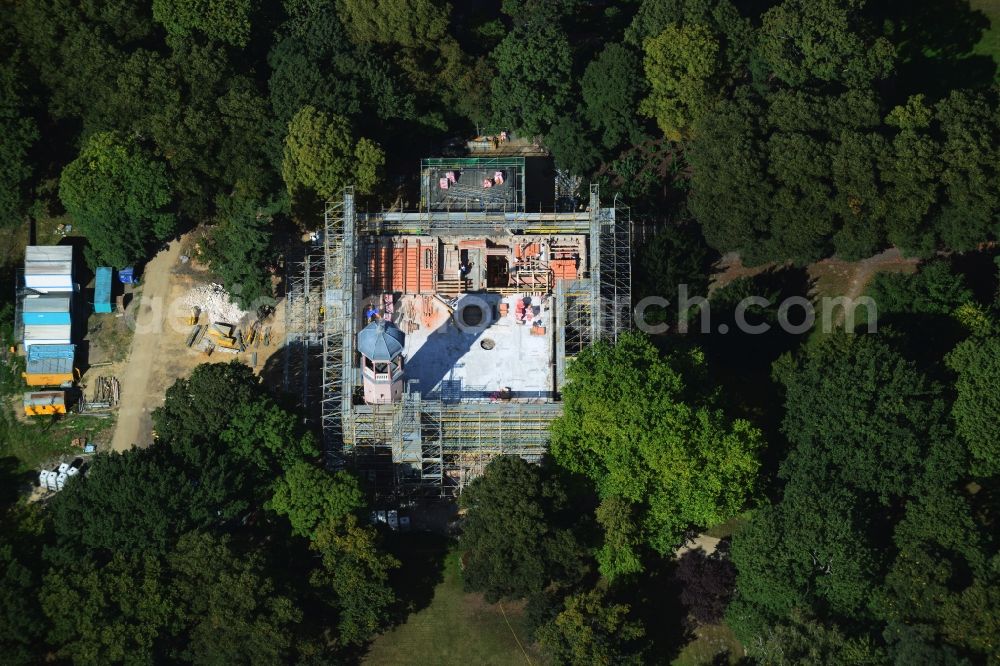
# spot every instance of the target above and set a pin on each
(159, 353)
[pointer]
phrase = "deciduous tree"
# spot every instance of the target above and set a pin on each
(358, 573)
(224, 20)
(592, 629)
(680, 65)
(310, 496)
(120, 195)
(532, 86)
(513, 544)
(633, 426)
(322, 155)
(976, 410)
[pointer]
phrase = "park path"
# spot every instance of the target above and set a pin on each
(861, 273)
(709, 544)
(134, 423)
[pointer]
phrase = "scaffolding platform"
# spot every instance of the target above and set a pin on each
(439, 437)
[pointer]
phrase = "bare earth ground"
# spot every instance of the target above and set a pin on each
(829, 277)
(159, 354)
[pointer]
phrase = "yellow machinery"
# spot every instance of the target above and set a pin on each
(225, 336)
(193, 316)
(44, 402)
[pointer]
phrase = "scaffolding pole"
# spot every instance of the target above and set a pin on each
(303, 326)
(615, 242)
(339, 252)
(423, 445)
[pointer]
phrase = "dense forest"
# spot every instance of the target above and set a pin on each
(860, 470)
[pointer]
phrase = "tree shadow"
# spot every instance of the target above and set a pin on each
(980, 271)
(421, 556)
(935, 40)
(12, 480)
(657, 603)
(740, 359)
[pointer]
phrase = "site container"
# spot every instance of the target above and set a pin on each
(47, 309)
(44, 402)
(35, 334)
(49, 365)
(102, 290)
(48, 268)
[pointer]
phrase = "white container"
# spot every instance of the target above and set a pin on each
(72, 471)
(49, 277)
(43, 478)
(393, 517)
(61, 481)
(45, 253)
(63, 467)
(50, 480)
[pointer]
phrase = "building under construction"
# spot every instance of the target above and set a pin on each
(435, 339)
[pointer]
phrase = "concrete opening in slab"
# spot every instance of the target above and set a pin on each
(497, 272)
(472, 315)
(487, 344)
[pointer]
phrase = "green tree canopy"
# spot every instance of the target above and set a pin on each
(592, 629)
(241, 251)
(633, 426)
(120, 196)
(20, 132)
(680, 65)
(932, 290)
(856, 410)
(977, 403)
(310, 496)
(358, 572)
(611, 88)
(109, 614)
(224, 20)
(823, 41)
(229, 607)
(514, 544)
(532, 88)
(321, 155)
(404, 23)
(812, 549)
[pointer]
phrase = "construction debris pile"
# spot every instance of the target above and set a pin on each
(214, 300)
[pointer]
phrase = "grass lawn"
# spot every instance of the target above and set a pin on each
(456, 628)
(41, 439)
(990, 42)
(726, 529)
(711, 642)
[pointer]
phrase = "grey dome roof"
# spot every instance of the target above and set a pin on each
(381, 341)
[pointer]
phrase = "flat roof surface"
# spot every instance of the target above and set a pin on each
(48, 253)
(48, 366)
(48, 267)
(102, 285)
(451, 364)
(46, 303)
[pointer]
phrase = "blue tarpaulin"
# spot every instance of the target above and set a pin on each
(102, 290)
(126, 275)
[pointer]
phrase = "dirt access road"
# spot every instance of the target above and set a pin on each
(159, 354)
(133, 425)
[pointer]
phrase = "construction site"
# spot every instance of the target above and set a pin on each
(425, 342)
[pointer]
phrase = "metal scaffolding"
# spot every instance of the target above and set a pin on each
(303, 327)
(423, 446)
(615, 241)
(338, 320)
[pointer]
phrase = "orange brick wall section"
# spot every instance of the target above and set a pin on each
(408, 265)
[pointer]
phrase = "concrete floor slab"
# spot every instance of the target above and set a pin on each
(448, 359)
